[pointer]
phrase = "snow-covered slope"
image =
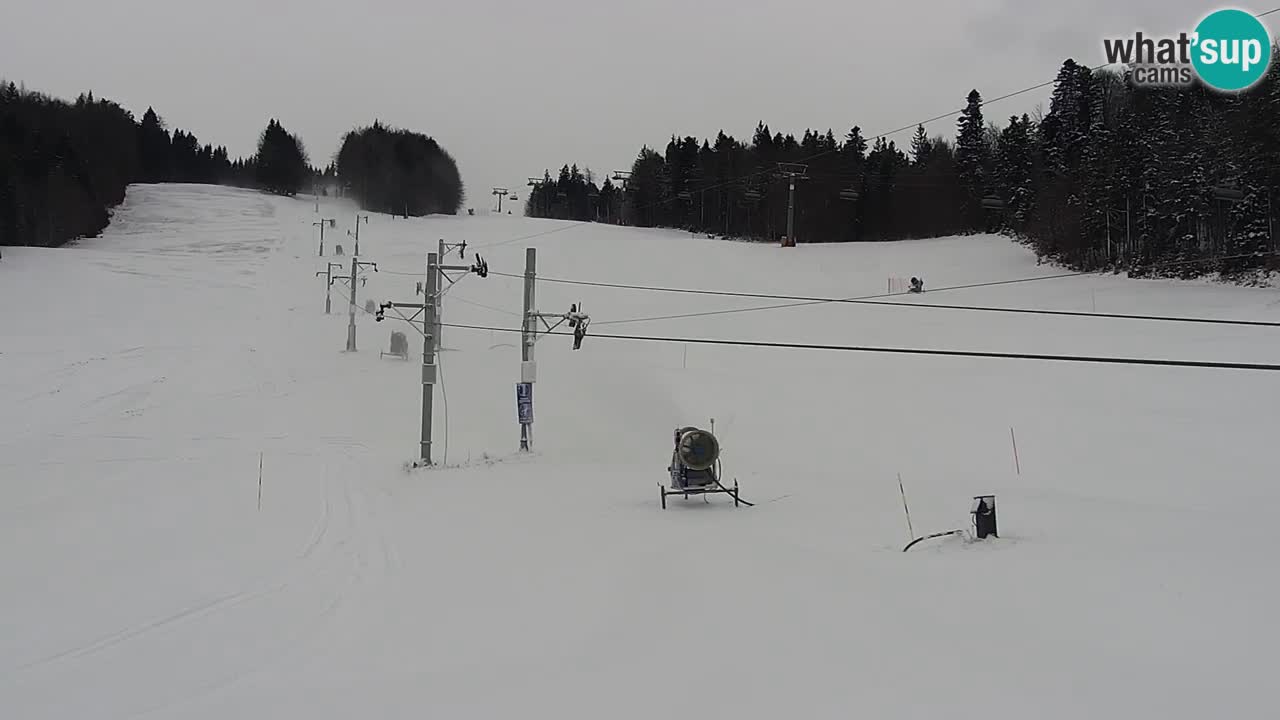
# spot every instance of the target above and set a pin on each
(144, 374)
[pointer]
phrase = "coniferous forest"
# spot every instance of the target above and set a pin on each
(64, 165)
(1170, 181)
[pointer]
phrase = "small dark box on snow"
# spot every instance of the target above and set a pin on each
(984, 516)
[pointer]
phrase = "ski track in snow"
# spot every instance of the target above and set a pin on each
(1131, 579)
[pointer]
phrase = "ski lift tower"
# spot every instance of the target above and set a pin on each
(750, 201)
(623, 177)
(792, 171)
(536, 183)
(427, 311)
(529, 335)
(500, 192)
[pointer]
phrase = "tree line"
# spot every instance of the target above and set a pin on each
(64, 165)
(1169, 180)
(574, 195)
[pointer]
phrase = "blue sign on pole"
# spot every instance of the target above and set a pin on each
(524, 402)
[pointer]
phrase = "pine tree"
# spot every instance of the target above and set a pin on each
(646, 187)
(154, 148)
(920, 146)
(608, 202)
(1015, 171)
(184, 158)
(855, 146)
(282, 165)
(1065, 130)
(972, 157)
(1094, 179)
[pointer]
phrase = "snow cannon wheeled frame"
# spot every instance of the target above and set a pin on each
(695, 466)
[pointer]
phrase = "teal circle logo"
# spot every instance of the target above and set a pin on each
(1232, 50)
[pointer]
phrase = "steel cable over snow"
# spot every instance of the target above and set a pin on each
(909, 351)
(878, 299)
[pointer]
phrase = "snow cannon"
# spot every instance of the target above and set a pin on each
(697, 450)
(695, 466)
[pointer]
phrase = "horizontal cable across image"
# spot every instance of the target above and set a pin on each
(905, 351)
(877, 300)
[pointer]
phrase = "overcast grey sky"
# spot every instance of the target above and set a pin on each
(512, 88)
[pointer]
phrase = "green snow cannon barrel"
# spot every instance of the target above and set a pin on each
(698, 449)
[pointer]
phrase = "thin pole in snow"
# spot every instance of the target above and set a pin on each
(436, 331)
(259, 480)
(905, 508)
(429, 300)
(351, 306)
(528, 336)
(1013, 438)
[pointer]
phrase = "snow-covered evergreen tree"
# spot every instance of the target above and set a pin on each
(972, 157)
(1014, 171)
(920, 146)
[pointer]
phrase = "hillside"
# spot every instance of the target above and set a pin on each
(147, 371)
